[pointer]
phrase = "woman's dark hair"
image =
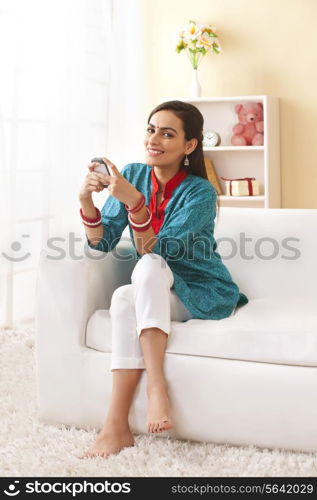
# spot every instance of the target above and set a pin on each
(193, 123)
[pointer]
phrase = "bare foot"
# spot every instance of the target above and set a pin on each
(109, 442)
(159, 411)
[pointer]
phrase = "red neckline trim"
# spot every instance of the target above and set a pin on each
(171, 184)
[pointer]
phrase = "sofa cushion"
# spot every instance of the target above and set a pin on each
(267, 330)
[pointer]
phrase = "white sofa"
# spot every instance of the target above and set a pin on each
(249, 379)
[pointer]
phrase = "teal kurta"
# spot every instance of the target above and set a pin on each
(185, 240)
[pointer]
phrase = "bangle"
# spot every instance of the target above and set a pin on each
(97, 224)
(92, 224)
(86, 219)
(141, 227)
(137, 224)
(138, 206)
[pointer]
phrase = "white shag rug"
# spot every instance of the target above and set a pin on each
(30, 448)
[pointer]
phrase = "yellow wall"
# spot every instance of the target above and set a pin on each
(268, 47)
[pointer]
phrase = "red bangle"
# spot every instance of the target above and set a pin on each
(138, 207)
(140, 229)
(144, 226)
(86, 219)
(88, 225)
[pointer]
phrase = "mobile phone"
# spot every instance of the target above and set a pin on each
(102, 168)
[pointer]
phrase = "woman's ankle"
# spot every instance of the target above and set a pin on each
(114, 423)
(157, 383)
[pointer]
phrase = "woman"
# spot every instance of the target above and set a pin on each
(170, 207)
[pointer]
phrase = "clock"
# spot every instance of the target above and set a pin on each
(211, 139)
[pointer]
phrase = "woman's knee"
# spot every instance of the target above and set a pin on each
(122, 298)
(151, 265)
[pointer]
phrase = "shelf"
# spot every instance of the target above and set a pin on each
(237, 162)
(241, 198)
(234, 148)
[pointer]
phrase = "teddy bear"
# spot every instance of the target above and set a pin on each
(249, 130)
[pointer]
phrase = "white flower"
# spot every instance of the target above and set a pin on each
(191, 32)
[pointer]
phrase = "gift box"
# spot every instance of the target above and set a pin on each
(248, 186)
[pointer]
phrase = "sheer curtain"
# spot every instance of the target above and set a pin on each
(63, 76)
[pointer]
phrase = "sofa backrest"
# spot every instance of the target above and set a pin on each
(269, 252)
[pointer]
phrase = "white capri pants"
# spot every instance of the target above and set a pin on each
(148, 302)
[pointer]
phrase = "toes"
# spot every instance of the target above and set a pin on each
(156, 427)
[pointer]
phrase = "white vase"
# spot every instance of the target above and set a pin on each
(195, 87)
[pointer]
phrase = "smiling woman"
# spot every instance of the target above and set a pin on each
(165, 150)
(168, 204)
(179, 140)
(170, 207)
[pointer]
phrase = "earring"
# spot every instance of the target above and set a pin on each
(186, 162)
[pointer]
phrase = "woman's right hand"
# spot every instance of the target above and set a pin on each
(91, 183)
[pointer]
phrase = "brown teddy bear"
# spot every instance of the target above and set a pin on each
(249, 130)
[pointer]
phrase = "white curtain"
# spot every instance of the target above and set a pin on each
(64, 65)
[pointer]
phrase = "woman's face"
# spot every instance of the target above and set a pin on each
(165, 144)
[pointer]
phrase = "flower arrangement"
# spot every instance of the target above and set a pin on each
(197, 40)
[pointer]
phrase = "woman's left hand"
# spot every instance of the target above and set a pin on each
(118, 186)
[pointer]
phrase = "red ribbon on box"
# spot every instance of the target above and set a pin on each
(249, 179)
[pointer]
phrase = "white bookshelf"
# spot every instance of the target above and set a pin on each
(261, 162)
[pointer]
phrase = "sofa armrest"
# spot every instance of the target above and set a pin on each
(69, 291)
